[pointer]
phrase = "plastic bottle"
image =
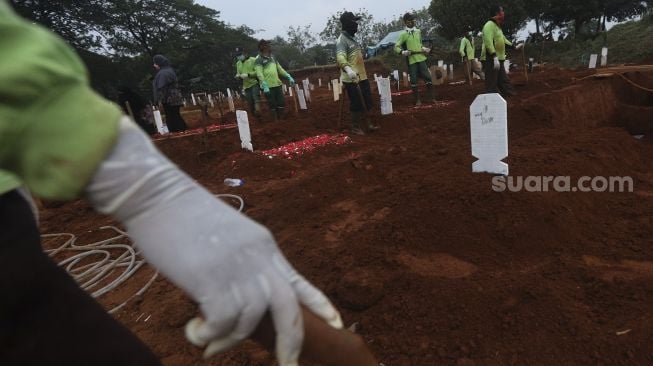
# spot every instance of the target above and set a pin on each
(233, 182)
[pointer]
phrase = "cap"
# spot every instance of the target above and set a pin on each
(349, 17)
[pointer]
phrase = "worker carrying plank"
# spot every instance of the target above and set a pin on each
(62, 140)
(410, 45)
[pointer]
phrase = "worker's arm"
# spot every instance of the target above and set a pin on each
(258, 69)
(341, 53)
(400, 42)
(488, 38)
(54, 129)
(463, 47)
(281, 71)
(251, 72)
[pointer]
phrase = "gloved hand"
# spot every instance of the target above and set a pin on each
(225, 261)
(265, 87)
(237, 76)
(465, 59)
(426, 50)
(291, 80)
(405, 53)
(497, 64)
(351, 73)
(519, 46)
(244, 76)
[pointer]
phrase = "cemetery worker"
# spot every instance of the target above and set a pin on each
(349, 56)
(166, 92)
(268, 70)
(245, 71)
(410, 45)
(468, 54)
(62, 140)
(138, 107)
(493, 54)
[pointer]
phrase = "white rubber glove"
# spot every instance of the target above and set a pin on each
(351, 73)
(497, 65)
(237, 76)
(226, 262)
(519, 46)
(426, 50)
(405, 53)
(244, 76)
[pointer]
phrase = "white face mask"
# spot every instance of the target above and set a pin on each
(410, 29)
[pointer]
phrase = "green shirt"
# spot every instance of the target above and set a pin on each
(494, 42)
(413, 41)
(54, 129)
(349, 53)
(466, 49)
(268, 70)
(247, 67)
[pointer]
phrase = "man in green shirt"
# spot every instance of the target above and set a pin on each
(410, 45)
(493, 55)
(268, 70)
(245, 71)
(62, 140)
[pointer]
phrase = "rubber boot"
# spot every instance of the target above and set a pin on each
(416, 100)
(429, 93)
(356, 123)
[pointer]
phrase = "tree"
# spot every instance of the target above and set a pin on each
(301, 37)
(457, 17)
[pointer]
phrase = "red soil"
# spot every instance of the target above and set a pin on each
(435, 267)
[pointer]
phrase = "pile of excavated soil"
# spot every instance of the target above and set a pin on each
(434, 266)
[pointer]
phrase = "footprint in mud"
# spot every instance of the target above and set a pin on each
(352, 218)
(437, 265)
(625, 270)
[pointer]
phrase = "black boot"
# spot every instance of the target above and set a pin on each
(356, 123)
(416, 100)
(429, 93)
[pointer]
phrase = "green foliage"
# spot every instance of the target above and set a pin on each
(457, 17)
(628, 42)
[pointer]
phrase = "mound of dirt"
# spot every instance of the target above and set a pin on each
(434, 266)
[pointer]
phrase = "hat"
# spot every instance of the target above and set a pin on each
(349, 17)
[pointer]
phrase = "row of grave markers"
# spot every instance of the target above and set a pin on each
(604, 58)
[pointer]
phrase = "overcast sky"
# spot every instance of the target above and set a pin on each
(275, 16)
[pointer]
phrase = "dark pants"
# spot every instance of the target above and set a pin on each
(276, 101)
(419, 70)
(497, 81)
(174, 121)
(45, 318)
(355, 104)
(253, 96)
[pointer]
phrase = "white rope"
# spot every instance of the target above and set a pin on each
(100, 263)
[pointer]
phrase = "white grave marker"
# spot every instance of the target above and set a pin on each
(336, 91)
(386, 95)
(395, 74)
(290, 92)
(319, 83)
(593, 58)
(489, 132)
(604, 57)
(302, 99)
(451, 72)
(193, 98)
(161, 127)
(243, 130)
(506, 65)
(329, 86)
(307, 92)
(211, 100)
(440, 63)
(406, 79)
(285, 89)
